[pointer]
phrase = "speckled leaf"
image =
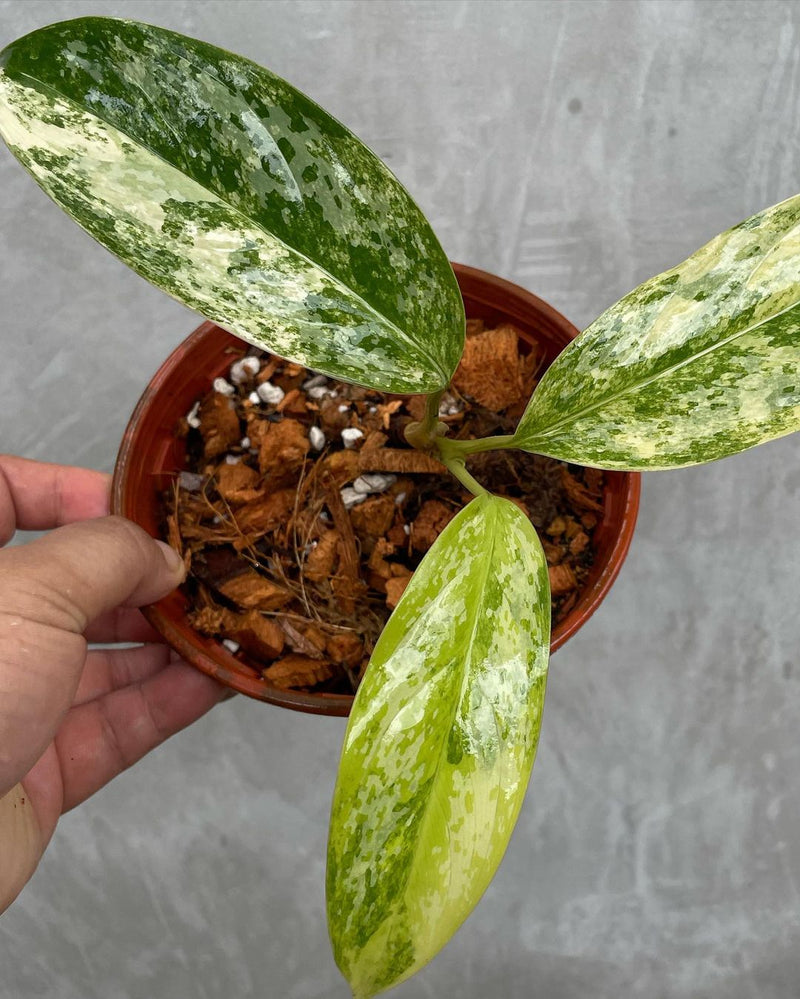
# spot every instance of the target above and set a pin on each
(695, 364)
(236, 194)
(439, 746)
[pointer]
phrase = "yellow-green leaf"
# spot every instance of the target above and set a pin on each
(693, 365)
(439, 746)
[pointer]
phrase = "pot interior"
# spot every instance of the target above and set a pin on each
(151, 455)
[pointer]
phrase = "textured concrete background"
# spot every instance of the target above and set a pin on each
(576, 148)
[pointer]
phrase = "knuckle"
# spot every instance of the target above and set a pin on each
(127, 530)
(28, 597)
(111, 737)
(131, 538)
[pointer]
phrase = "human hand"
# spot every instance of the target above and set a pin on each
(71, 719)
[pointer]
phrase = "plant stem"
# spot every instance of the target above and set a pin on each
(425, 434)
(454, 449)
(459, 469)
(428, 435)
(430, 421)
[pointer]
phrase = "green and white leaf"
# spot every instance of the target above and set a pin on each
(693, 365)
(233, 192)
(439, 747)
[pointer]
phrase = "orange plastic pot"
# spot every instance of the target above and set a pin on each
(151, 455)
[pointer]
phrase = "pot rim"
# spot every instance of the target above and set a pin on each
(477, 285)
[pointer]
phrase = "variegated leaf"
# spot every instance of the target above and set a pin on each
(693, 365)
(439, 746)
(236, 194)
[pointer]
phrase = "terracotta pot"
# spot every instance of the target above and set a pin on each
(151, 455)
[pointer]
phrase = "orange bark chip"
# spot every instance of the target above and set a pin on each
(343, 466)
(219, 425)
(562, 579)
(254, 592)
(268, 370)
(398, 461)
(237, 483)
(578, 494)
(490, 368)
(416, 406)
(293, 402)
(373, 440)
(208, 620)
(431, 520)
(283, 447)
(395, 587)
(295, 670)
(322, 557)
(303, 637)
(333, 418)
(345, 648)
(387, 410)
(579, 543)
(265, 513)
(377, 560)
(256, 634)
(374, 517)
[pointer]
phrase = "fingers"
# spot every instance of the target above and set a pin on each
(49, 590)
(75, 574)
(123, 624)
(36, 496)
(107, 670)
(100, 739)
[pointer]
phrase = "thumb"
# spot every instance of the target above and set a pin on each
(73, 574)
(50, 590)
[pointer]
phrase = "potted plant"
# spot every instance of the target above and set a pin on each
(152, 454)
(230, 190)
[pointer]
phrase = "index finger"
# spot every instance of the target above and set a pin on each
(35, 496)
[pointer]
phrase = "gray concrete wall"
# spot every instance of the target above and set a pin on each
(577, 148)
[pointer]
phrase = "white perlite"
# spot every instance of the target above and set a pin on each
(193, 416)
(190, 481)
(246, 367)
(230, 645)
(449, 405)
(350, 497)
(223, 386)
(315, 382)
(231, 459)
(350, 435)
(316, 438)
(318, 392)
(269, 393)
(253, 397)
(244, 442)
(373, 483)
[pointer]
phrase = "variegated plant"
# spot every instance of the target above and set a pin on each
(233, 192)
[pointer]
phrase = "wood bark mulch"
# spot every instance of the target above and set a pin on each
(302, 512)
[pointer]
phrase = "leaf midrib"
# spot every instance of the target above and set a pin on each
(383, 320)
(456, 704)
(663, 373)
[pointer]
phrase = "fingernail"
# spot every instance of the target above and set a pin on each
(172, 558)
